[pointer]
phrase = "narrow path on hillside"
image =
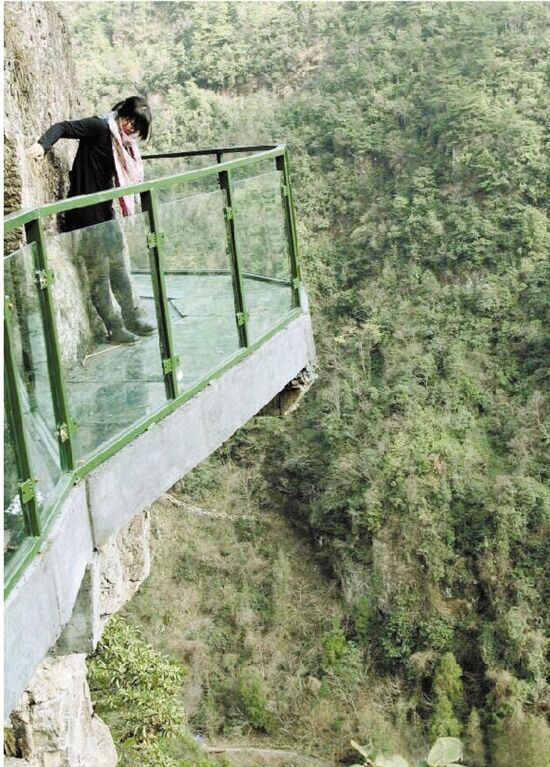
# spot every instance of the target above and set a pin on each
(269, 756)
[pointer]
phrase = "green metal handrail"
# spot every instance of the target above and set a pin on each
(37, 525)
(15, 220)
(214, 151)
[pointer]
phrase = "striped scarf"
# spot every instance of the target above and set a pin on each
(128, 163)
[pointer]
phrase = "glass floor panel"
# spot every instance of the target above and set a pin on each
(115, 387)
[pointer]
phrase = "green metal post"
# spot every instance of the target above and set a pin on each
(226, 184)
(14, 412)
(282, 164)
(15, 288)
(65, 424)
(170, 360)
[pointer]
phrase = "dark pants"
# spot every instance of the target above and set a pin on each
(102, 250)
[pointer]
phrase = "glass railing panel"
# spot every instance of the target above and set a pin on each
(199, 284)
(166, 166)
(103, 292)
(14, 526)
(184, 189)
(263, 250)
(31, 369)
(173, 166)
(257, 168)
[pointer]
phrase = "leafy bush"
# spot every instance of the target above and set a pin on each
(138, 685)
(363, 619)
(252, 701)
(448, 698)
(334, 649)
(520, 740)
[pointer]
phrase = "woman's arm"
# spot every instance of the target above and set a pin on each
(89, 127)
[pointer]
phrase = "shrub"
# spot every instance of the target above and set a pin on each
(448, 698)
(520, 740)
(135, 687)
(398, 641)
(252, 701)
(363, 621)
(474, 746)
(448, 681)
(334, 648)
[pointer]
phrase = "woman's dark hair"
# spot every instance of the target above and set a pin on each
(137, 109)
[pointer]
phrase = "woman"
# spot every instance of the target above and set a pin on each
(108, 151)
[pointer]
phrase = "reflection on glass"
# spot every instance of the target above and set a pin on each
(29, 352)
(263, 250)
(174, 166)
(14, 527)
(184, 190)
(108, 329)
(194, 230)
(199, 284)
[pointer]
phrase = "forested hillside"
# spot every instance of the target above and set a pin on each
(418, 464)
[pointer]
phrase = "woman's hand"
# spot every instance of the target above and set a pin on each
(36, 151)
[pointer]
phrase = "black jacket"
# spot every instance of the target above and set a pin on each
(93, 168)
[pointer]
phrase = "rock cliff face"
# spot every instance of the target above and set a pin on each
(125, 562)
(36, 61)
(39, 90)
(54, 723)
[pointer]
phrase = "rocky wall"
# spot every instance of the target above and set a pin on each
(54, 725)
(39, 90)
(124, 563)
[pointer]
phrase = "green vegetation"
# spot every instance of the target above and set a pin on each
(252, 703)
(448, 698)
(417, 467)
(138, 690)
(262, 633)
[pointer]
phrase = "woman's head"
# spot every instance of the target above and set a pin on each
(136, 111)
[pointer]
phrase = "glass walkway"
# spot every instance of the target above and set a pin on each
(212, 265)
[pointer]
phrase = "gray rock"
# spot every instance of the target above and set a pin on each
(54, 724)
(125, 562)
(39, 88)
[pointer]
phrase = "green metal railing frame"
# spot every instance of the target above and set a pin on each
(36, 524)
(14, 410)
(156, 265)
(226, 184)
(44, 278)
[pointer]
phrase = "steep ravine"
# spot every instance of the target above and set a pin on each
(237, 597)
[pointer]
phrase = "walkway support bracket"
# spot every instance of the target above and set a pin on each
(44, 278)
(26, 490)
(154, 239)
(171, 364)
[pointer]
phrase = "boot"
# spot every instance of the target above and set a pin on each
(140, 327)
(119, 335)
